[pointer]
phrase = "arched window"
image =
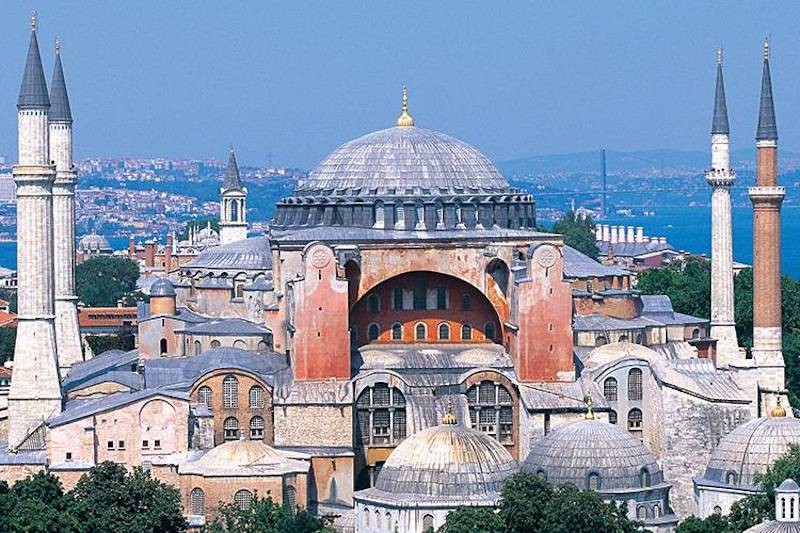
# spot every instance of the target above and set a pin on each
(593, 481)
(366, 516)
(610, 389)
(388, 521)
(623, 338)
(263, 346)
(730, 478)
(466, 332)
(256, 397)
(397, 331)
(243, 499)
(427, 522)
(230, 392)
(717, 509)
(377, 518)
(600, 340)
(641, 512)
(381, 412)
(491, 410)
(466, 303)
(373, 332)
(234, 210)
(420, 331)
(639, 338)
(696, 333)
(197, 348)
(197, 499)
(204, 395)
(215, 343)
(489, 331)
(373, 303)
(379, 215)
(542, 474)
(635, 420)
(444, 331)
(239, 343)
(290, 497)
(230, 428)
(399, 216)
(612, 417)
(644, 478)
(163, 346)
(256, 428)
(635, 384)
(656, 511)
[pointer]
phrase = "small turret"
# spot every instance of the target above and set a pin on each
(233, 205)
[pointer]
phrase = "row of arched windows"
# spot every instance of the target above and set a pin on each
(610, 386)
(230, 428)
(381, 415)
(230, 395)
(491, 410)
(635, 419)
(421, 331)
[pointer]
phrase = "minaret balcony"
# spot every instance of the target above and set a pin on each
(766, 194)
(720, 178)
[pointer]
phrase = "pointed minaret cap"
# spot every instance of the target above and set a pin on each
(720, 123)
(33, 92)
(232, 174)
(59, 100)
(767, 127)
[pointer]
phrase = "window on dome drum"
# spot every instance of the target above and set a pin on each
(427, 522)
(466, 303)
(215, 344)
(644, 478)
(656, 511)
(441, 298)
(198, 501)
(635, 419)
(197, 348)
(491, 410)
(635, 384)
(256, 428)
(542, 474)
(420, 332)
(612, 417)
(163, 346)
(641, 512)
(399, 216)
(381, 412)
(256, 397)
(639, 338)
(623, 338)
(373, 332)
(696, 333)
(610, 389)
(373, 303)
(230, 428)
(717, 509)
(489, 331)
(600, 340)
(397, 331)
(593, 481)
(366, 516)
(204, 395)
(730, 478)
(388, 521)
(230, 392)
(379, 215)
(466, 332)
(243, 499)
(397, 299)
(444, 332)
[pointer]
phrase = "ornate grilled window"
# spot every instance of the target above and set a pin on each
(256, 428)
(230, 392)
(610, 389)
(491, 410)
(290, 497)
(635, 420)
(466, 303)
(230, 428)
(612, 417)
(397, 331)
(420, 331)
(397, 299)
(256, 397)
(444, 331)
(243, 499)
(635, 384)
(204, 395)
(373, 332)
(197, 500)
(593, 481)
(215, 344)
(466, 332)
(381, 412)
(427, 522)
(441, 298)
(730, 478)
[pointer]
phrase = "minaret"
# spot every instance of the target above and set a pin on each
(35, 387)
(232, 205)
(767, 197)
(721, 177)
(67, 333)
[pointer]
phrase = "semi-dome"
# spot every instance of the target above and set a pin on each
(750, 449)
(446, 462)
(572, 453)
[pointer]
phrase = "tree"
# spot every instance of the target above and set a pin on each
(109, 498)
(103, 343)
(715, 523)
(524, 498)
(104, 280)
(688, 285)
(472, 520)
(265, 516)
(578, 233)
(8, 339)
(583, 511)
(36, 504)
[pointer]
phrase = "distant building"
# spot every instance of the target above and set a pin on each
(91, 246)
(7, 189)
(630, 247)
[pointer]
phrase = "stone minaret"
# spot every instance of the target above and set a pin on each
(232, 205)
(721, 177)
(67, 333)
(35, 387)
(767, 197)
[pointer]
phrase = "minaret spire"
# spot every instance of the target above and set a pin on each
(232, 180)
(767, 127)
(59, 100)
(33, 91)
(720, 122)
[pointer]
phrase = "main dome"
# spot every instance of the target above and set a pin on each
(404, 161)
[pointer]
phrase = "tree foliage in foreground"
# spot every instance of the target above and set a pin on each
(104, 280)
(265, 516)
(578, 233)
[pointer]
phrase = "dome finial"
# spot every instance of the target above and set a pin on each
(405, 120)
(719, 55)
(34, 20)
(589, 404)
(58, 45)
(766, 49)
(778, 411)
(449, 418)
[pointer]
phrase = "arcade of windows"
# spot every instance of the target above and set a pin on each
(381, 412)
(443, 332)
(491, 410)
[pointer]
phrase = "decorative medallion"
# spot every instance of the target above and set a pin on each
(320, 257)
(546, 256)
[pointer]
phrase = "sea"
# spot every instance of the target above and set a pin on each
(686, 228)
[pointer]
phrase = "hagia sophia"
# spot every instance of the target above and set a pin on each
(400, 341)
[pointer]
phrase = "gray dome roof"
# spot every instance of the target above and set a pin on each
(774, 526)
(751, 448)
(248, 254)
(446, 462)
(94, 242)
(405, 159)
(162, 287)
(570, 453)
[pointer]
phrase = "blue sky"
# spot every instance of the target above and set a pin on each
(296, 79)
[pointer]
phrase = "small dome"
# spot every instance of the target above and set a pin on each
(240, 457)
(447, 462)
(750, 449)
(254, 253)
(571, 453)
(207, 236)
(162, 287)
(94, 243)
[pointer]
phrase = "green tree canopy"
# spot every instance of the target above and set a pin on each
(104, 280)
(265, 516)
(713, 524)
(578, 233)
(473, 520)
(688, 285)
(35, 504)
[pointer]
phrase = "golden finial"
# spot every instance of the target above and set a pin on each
(766, 49)
(34, 20)
(719, 55)
(589, 404)
(58, 45)
(405, 120)
(778, 411)
(449, 418)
